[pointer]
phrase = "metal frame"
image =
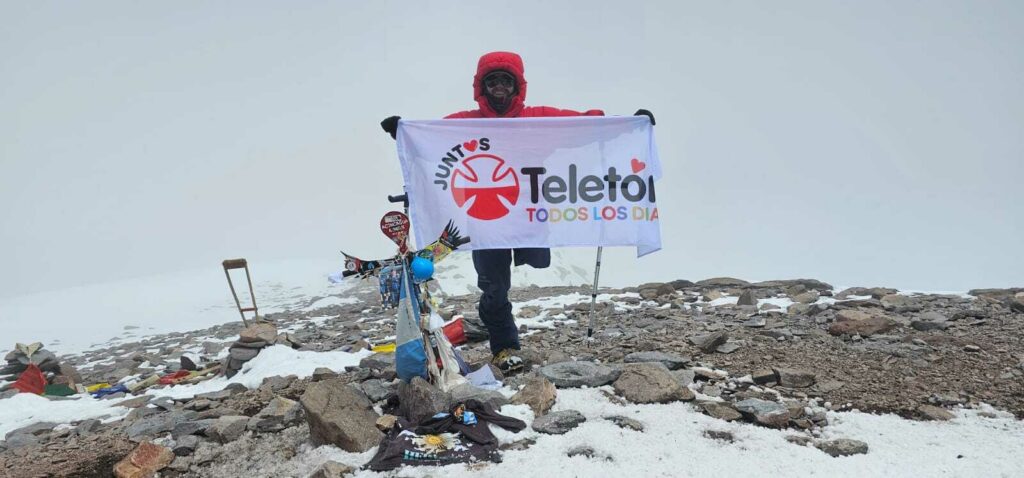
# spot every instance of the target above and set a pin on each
(230, 264)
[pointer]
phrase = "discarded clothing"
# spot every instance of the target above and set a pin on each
(175, 378)
(110, 391)
(459, 436)
(31, 380)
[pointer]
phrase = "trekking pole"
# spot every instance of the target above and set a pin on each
(593, 295)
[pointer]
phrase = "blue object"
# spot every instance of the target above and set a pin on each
(422, 269)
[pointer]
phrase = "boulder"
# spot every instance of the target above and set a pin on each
(155, 425)
(193, 427)
(578, 374)
(376, 390)
(842, 447)
(721, 411)
(340, 415)
(144, 461)
(931, 412)
(860, 322)
(243, 354)
(186, 445)
(747, 298)
(539, 393)
(764, 412)
(279, 414)
(808, 297)
(558, 423)
(419, 400)
(379, 361)
(227, 428)
(672, 361)
(709, 342)
(259, 331)
(794, 378)
(645, 383)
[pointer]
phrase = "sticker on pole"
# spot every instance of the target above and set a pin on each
(395, 225)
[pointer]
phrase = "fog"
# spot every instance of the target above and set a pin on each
(861, 143)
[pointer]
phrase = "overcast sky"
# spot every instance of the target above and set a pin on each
(863, 143)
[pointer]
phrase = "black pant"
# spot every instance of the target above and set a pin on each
(494, 278)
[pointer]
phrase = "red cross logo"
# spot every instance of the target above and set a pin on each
(487, 184)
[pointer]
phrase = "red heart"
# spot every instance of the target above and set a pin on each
(470, 146)
(637, 165)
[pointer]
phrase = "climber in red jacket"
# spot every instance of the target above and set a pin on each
(499, 89)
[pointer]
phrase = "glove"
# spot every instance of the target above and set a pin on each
(390, 125)
(640, 112)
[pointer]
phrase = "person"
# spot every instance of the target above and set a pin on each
(499, 89)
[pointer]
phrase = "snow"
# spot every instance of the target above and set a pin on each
(75, 319)
(277, 360)
(674, 445)
(25, 409)
(545, 319)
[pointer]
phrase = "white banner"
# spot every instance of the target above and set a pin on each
(534, 182)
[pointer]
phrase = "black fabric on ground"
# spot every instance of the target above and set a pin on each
(404, 444)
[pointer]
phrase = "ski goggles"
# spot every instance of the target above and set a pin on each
(499, 78)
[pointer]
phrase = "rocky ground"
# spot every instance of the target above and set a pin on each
(775, 353)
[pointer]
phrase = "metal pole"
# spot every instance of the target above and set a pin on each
(593, 295)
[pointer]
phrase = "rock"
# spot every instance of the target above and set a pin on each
(578, 374)
(794, 378)
(808, 297)
(764, 412)
(727, 348)
(712, 295)
(859, 322)
(672, 361)
(799, 440)
(259, 331)
(539, 393)
(644, 383)
(709, 342)
(722, 282)
(764, 377)
(842, 447)
(930, 321)
(186, 445)
(323, 373)
(277, 383)
(134, 402)
(231, 390)
(193, 427)
(379, 361)
(755, 322)
(144, 461)
(375, 390)
(874, 292)
(721, 411)
(1017, 304)
(155, 425)
(626, 422)
(14, 441)
(558, 423)
(719, 435)
(332, 469)
(340, 415)
(386, 422)
(684, 377)
(243, 354)
(971, 348)
(680, 284)
(419, 400)
(466, 391)
(932, 412)
(227, 428)
(581, 450)
(279, 414)
(747, 298)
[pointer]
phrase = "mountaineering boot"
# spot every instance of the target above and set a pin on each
(508, 362)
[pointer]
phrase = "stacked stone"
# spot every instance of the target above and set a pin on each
(251, 340)
(17, 362)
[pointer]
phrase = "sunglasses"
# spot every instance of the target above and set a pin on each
(499, 79)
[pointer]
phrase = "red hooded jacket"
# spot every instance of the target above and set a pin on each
(512, 63)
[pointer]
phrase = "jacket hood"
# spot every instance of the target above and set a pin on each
(500, 60)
